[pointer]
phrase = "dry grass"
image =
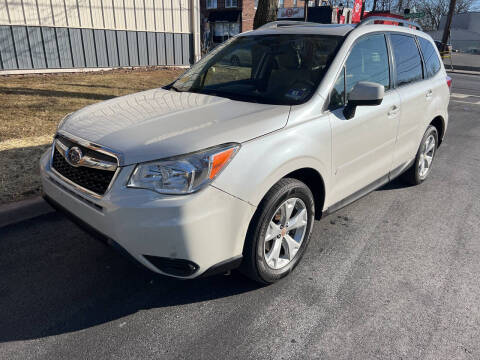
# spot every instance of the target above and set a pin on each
(32, 106)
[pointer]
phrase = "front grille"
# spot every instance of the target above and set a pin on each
(85, 150)
(94, 180)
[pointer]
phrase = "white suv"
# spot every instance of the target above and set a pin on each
(230, 164)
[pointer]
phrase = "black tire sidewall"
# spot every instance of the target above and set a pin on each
(292, 188)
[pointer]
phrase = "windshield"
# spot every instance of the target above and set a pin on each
(270, 69)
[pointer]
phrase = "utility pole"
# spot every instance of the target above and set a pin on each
(306, 9)
(448, 23)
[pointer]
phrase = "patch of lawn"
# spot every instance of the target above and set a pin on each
(32, 106)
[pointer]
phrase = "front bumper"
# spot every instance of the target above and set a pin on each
(206, 229)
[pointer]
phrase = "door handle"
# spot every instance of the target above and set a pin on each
(394, 110)
(429, 93)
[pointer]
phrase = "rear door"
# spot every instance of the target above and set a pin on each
(363, 146)
(435, 80)
(414, 95)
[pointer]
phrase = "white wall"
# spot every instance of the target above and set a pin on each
(140, 15)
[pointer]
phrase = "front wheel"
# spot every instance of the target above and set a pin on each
(279, 232)
(420, 169)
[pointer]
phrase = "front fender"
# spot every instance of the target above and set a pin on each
(262, 162)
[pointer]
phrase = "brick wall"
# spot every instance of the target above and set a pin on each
(248, 14)
(290, 3)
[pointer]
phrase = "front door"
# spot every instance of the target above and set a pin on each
(363, 146)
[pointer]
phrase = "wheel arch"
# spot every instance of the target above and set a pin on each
(315, 183)
(439, 123)
(310, 177)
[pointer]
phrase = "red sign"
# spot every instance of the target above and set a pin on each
(357, 11)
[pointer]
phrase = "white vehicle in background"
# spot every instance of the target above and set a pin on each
(230, 164)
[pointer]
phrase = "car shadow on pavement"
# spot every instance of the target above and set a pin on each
(395, 184)
(56, 279)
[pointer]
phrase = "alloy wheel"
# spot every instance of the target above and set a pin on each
(426, 157)
(285, 233)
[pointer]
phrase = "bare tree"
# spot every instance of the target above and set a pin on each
(434, 9)
(266, 12)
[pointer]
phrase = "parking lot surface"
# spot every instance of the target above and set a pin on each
(394, 275)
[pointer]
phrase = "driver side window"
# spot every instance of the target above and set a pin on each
(368, 61)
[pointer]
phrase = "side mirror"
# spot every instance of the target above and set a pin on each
(364, 93)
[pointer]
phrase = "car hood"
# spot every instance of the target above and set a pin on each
(158, 123)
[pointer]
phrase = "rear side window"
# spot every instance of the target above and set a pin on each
(408, 63)
(432, 62)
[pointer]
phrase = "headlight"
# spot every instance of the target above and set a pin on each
(183, 174)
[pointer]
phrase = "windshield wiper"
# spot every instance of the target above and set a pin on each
(173, 87)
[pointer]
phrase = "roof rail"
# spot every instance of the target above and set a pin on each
(401, 22)
(284, 23)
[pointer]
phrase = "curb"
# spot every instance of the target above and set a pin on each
(23, 210)
(463, 72)
(462, 67)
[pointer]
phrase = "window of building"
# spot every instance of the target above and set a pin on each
(211, 4)
(231, 3)
(408, 63)
(432, 62)
(368, 61)
(255, 4)
(281, 3)
(225, 30)
(294, 3)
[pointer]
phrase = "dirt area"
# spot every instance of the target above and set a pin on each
(32, 106)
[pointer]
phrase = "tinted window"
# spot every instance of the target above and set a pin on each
(273, 69)
(368, 61)
(408, 63)
(432, 62)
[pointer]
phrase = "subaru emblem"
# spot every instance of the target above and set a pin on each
(74, 156)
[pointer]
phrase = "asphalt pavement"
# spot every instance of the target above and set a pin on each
(394, 275)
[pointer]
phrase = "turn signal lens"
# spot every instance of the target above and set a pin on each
(220, 160)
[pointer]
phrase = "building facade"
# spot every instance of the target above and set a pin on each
(71, 34)
(222, 19)
(464, 32)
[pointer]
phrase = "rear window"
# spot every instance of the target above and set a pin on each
(408, 63)
(430, 56)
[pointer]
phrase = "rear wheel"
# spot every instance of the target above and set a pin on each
(279, 232)
(420, 169)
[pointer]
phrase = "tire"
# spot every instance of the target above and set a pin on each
(260, 262)
(415, 175)
(235, 61)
